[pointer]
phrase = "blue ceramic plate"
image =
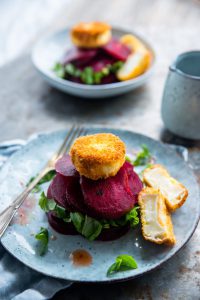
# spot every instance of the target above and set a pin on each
(19, 239)
(51, 49)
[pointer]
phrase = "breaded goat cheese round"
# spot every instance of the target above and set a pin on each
(91, 35)
(98, 156)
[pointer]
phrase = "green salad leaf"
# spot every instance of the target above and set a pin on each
(43, 237)
(127, 158)
(46, 178)
(46, 204)
(78, 220)
(142, 157)
(59, 70)
(85, 225)
(50, 205)
(123, 262)
(87, 75)
(116, 66)
(91, 228)
(132, 217)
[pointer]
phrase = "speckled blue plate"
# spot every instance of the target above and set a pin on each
(19, 239)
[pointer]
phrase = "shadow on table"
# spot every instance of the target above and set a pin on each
(63, 105)
(167, 137)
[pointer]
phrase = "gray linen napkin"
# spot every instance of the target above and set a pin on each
(17, 281)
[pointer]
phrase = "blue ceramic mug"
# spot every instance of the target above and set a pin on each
(181, 97)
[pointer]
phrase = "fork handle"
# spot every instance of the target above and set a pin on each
(20, 199)
(6, 218)
(8, 213)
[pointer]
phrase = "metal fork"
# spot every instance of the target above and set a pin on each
(7, 214)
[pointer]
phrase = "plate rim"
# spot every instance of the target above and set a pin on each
(67, 83)
(125, 278)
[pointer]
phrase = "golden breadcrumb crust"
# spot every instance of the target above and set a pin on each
(98, 156)
(93, 34)
(171, 204)
(163, 217)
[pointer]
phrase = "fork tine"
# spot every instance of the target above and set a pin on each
(80, 130)
(68, 141)
(66, 138)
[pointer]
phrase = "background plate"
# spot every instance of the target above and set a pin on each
(19, 239)
(51, 49)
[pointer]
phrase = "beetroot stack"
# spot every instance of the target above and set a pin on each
(105, 201)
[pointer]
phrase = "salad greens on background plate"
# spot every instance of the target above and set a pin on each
(31, 239)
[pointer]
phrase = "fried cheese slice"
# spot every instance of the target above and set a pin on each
(156, 221)
(173, 191)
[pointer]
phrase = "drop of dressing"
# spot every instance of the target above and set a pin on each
(81, 258)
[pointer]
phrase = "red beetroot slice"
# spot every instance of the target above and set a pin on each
(111, 78)
(79, 56)
(74, 195)
(113, 233)
(49, 194)
(101, 62)
(65, 167)
(108, 198)
(75, 79)
(135, 182)
(117, 50)
(58, 191)
(60, 226)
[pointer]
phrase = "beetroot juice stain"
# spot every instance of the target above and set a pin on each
(24, 213)
(81, 258)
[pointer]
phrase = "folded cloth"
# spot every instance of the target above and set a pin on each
(17, 281)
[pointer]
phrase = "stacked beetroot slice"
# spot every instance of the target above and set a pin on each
(106, 201)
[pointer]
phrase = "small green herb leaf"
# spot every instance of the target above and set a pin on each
(87, 75)
(59, 70)
(70, 69)
(114, 267)
(91, 228)
(97, 77)
(116, 66)
(143, 157)
(43, 237)
(62, 213)
(87, 226)
(123, 262)
(106, 71)
(78, 220)
(46, 204)
(49, 176)
(132, 217)
(50, 205)
(128, 159)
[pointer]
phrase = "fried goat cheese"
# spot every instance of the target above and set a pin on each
(156, 221)
(91, 35)
(98, 156)
(173, 191)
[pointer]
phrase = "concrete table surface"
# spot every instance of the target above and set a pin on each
(29, 105)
